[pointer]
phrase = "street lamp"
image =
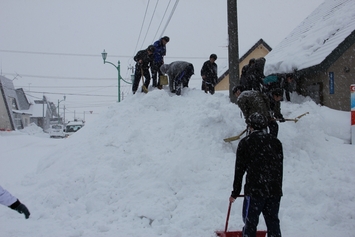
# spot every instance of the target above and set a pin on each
(58, 106)
(104, 56)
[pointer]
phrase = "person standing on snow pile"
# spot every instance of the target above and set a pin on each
(179, 73)
(12, 202)
(255, 74)
(260, 156)
(209, 75)
(246, 73)
(159, 53)
(144, 60)
(289, 85)
(275, 98)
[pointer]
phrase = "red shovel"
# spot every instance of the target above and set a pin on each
(226, 233)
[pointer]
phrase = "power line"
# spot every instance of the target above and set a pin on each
(58, 77)
(60, 54)
(161, 21)
(61, 93)
(66, 87)
(171, 14)
(151, 19)
(140, 32)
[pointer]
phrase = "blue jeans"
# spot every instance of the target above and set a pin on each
(253, 207)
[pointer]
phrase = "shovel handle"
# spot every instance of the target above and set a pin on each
(229, 212)
(227, 219)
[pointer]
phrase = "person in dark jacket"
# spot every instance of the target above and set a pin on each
(179, 73)
(289, 85)
(260, 156)
(144, 60)
(209, 74)
(159, 53)
(247, 70)
(251, 101)
(275, 98)
(12, 202)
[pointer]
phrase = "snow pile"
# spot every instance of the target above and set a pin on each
(156, 165)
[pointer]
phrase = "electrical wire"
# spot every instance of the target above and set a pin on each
(161, 21)
(59, 54)
(171, 15)
(140, 32)
(151, 19)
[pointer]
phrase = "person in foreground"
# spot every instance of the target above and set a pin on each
(12, 202)
(260, 155)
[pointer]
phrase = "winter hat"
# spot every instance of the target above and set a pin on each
(257, 121)
(166, 38)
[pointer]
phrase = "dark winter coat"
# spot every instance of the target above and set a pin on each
(147, 60)
(275, 107)
(244, 78)
(254, 101)
(260, 155)
(159, 52)
(209, 70)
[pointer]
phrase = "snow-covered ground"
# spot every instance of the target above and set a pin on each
(156, 165)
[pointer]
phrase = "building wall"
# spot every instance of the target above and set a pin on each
(344, 75)
(259, 52)
(5, 123)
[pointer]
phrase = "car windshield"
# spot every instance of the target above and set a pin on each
(56, 126)
(73, 128)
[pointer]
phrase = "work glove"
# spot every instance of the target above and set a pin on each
(282, 120)
(20, 208)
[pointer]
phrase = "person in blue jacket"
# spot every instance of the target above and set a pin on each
(158, 61)
(12, 202)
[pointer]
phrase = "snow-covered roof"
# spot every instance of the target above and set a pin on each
(314, 39)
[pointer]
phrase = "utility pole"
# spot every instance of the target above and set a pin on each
(233, 51)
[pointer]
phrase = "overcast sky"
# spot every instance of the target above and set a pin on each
(54, 47)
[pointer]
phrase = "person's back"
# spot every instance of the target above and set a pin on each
(261, 155)
(254, 101)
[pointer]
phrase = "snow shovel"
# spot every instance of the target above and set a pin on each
(226, 233)
(145, 89)
(295, 119)
(230, 139)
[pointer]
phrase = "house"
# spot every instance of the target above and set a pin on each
(9, 118)
(17, 111)
(43, 113)
(258, 50)
(320, 52)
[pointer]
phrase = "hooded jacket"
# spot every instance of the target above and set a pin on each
(174, 69)
(254, 101)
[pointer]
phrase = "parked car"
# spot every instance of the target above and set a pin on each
(56, 130)
(73, 127)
